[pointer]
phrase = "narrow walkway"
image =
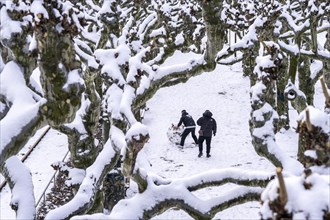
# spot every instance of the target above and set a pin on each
(226, 94)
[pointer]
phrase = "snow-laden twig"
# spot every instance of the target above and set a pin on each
(246, 42)
(323, 55)
(178, 193)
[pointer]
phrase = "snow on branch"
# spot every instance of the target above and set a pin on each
(12, 27)
(321, 54)
(291, 22)
(315, 117)
(167, 71)
(16, 122)
(178, 193)
(150, 20)
(167, 76)
(39, 11)
(136, 130)
(84, 198)
(314, 131)
(246, 42)
(20, 181)
(85, 53)
(263, 115)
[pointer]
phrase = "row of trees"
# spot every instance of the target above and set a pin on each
(100, 62)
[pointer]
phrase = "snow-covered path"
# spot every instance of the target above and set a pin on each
(225, 92)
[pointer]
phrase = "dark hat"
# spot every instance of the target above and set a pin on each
(184, 112)
(207, 113)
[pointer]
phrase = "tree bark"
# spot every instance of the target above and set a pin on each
(215, 30)
(326, 64)
(264, 118)
(57, 61)
(282, 102)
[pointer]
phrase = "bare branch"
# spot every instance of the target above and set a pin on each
(283, 194)
(308, 121)
(325, 92)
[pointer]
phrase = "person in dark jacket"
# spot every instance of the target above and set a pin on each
(190, 127)
(208, 126)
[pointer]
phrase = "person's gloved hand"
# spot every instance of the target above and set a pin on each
(214, 133)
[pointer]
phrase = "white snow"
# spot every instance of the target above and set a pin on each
(38, 10)
(73, 78)
(226, 94)
(317, 118)
(300, 199)
(22, 196)
(13, 86)
(8, 26)
(179, 39)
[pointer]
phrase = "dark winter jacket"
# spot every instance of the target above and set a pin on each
(208, 124)
(187, 120)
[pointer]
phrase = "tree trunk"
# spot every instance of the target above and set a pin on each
(305, 82)
(57, 61)
(315, 140)
(282, 103)
(215, 30)
(248, 63)
(264, 118)
(326, 64)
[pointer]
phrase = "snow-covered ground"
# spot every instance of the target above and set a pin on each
(225, 92)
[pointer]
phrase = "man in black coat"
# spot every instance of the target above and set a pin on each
(190, 127)
(208, 126)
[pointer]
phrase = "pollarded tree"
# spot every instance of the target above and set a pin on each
(281, 24)
(284, 205)
(305, 22)
(242, 17)
(131, 40)
(122, 83)
(30, 29)
(145, 34)
(279, 200)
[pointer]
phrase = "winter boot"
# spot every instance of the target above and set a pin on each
(200, 154)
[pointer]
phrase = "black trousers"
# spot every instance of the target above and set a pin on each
(208, 144)
(185, 134)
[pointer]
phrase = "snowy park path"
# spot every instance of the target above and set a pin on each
(225, 92)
